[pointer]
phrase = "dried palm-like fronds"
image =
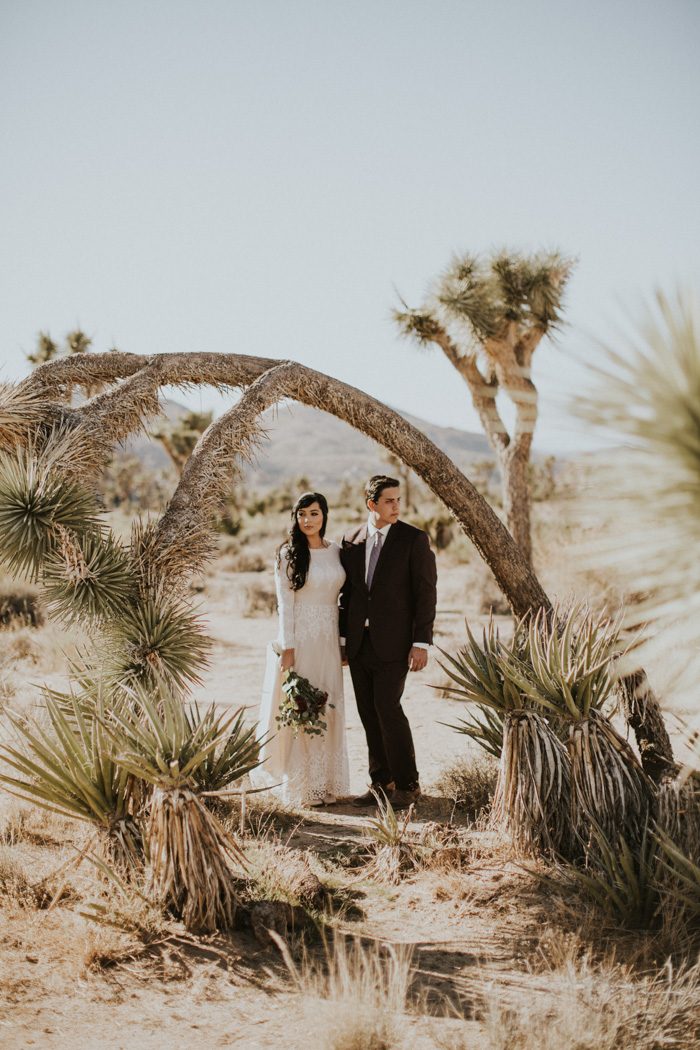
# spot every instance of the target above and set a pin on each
(35, 502)
(188, 866)
(532, 793)
(67, 768)
(156, 640)
(87, 577)
(609, 789)
(21, 412)
(189, 851)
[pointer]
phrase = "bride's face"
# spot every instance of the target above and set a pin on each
(310, 520)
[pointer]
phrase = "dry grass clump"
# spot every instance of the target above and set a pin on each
(127, 908)
(106, 948)
(15, 885)
(278, 873)
(18, 888)
(260, 600)
(470, 785)
(442, 847)
(602, 1006)
(354, 995)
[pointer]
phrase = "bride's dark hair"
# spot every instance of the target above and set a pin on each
(296, 548)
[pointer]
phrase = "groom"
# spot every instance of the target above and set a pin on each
(387, 609)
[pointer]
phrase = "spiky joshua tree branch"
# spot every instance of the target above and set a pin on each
(488, 316)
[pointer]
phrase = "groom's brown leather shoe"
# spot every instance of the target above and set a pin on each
(370, 799)
(402, 798)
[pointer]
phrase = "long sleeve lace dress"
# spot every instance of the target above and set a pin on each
(306, 769)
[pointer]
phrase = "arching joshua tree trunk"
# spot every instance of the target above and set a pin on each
(182, 539)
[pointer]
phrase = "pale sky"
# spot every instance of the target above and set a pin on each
(259, 177)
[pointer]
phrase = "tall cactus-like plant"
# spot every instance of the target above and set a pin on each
(532, 793)
(180, 753)
(568, 668)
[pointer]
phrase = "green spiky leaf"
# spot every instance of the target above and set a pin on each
(34, 503)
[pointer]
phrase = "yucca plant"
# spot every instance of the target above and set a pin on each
(532, 793)
(567, 667)
(156, 640)
(680, 879)
(157, 740)
(66, 767)
(622, 877)
(484, 727)
(87, 578)
(392, 854)
(35, 502)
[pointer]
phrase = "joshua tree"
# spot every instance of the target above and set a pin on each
(179, 543)
(180, 437)
(47, 349)
(488, 317)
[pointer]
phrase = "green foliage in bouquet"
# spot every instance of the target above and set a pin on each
(303, 706)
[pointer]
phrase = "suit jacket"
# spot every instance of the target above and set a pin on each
(400, 607)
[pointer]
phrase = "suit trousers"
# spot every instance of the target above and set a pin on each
(378, 686)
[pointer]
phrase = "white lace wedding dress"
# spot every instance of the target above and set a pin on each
(306, 769)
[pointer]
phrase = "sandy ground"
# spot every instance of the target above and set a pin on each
(471, 931)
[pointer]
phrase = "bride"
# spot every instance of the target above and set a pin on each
(305, 770)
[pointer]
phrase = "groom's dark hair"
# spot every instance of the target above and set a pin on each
(376, 485)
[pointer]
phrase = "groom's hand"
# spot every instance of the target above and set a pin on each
(417, 658)
(343, 656)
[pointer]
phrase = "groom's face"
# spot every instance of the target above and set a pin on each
(386, 508)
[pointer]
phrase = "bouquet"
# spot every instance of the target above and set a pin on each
(303, 705)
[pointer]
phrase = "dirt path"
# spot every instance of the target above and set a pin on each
(466, 930)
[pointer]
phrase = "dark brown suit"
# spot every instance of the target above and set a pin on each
(400, 608)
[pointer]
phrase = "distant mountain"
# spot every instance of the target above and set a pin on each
(305, 441)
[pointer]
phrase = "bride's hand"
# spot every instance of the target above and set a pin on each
(287, 659)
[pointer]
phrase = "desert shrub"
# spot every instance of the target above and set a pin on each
(20, 644)
(247, 561)
(20, 605)
(15, 884)
(260, 600)
(543, 479)
(469, 784)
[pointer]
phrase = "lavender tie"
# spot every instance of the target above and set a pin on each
(374, 558)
